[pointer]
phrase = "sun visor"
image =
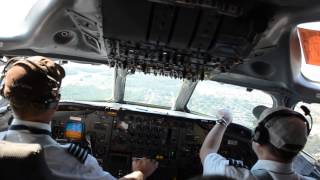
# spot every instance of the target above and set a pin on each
(310, 41)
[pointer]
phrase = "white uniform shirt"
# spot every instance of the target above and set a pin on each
(215, 164)
(60, 162)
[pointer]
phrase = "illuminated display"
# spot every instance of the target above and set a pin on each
(74, 129)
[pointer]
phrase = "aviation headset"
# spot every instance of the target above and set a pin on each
(50, 98)
(261, 134)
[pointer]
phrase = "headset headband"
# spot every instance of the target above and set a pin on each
(287, 113)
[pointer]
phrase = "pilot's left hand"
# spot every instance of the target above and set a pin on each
(146, 166)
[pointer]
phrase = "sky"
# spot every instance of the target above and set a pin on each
(13, 12)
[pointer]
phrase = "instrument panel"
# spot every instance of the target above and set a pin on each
(116, 136)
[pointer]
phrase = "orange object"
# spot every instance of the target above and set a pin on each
(76, 135)
(310, 41)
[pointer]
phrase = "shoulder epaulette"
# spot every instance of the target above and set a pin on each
(78, 152)
(237, 163)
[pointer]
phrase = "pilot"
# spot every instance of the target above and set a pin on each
(280, 135)
(32, 87)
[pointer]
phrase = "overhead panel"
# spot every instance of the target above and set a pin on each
(185, 19)
(205, 32)
(182, 39)
(126, 20)
(161, 23)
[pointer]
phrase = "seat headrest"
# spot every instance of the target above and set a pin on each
(21, 161)
(18, 150)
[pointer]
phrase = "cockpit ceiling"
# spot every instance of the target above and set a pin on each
(254, 41)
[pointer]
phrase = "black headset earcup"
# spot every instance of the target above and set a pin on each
(256, 134)
(2, 88)
(53, 102)
(261, 134)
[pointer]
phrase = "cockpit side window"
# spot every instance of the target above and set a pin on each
(309, 37)
(209, 96)
(312, 147)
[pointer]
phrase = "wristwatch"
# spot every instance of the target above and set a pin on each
(222, 121)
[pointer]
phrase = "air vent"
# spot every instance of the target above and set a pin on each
(63, 37)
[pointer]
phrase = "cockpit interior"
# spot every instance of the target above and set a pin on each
(144, 78)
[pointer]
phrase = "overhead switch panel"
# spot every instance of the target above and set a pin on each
(182, 38)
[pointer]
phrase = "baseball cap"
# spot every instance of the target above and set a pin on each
(285, 130)
(33, 78)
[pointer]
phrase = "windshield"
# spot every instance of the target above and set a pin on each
(87, 82)
(210, 96)
(312, 147)
(151, 89)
